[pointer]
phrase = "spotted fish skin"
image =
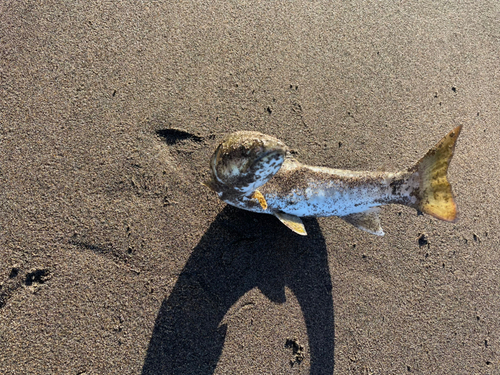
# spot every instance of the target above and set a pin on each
(306, 191)
(244, 161)
(256, 172)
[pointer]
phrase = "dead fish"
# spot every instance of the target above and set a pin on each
(257, 172)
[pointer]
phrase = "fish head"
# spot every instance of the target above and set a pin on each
(244, 161)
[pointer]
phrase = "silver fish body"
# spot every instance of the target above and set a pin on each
(319, 191)
(273, 182)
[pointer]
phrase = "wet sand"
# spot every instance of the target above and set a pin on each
(114, 259)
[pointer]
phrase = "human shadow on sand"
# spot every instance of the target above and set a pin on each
(241, 251)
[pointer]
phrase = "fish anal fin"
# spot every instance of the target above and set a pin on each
(368, 221)
(258, 195)
(293, 222)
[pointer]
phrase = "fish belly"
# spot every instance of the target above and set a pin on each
(326, 201)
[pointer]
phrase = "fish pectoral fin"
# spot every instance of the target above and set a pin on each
(368, 221)
(293, 222)
(258, 195)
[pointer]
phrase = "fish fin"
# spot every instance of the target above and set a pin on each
(258, 195)
(368, 221)
(434, 193)
(293, 222)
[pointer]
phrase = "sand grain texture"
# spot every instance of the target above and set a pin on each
(115, 260)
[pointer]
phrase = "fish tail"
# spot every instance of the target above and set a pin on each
(434, 194)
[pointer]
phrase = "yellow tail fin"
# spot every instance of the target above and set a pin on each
(434, 193)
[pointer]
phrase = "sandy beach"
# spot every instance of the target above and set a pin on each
(114, 259)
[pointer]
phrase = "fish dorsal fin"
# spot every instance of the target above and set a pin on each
(293, 222)
(368, 221)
